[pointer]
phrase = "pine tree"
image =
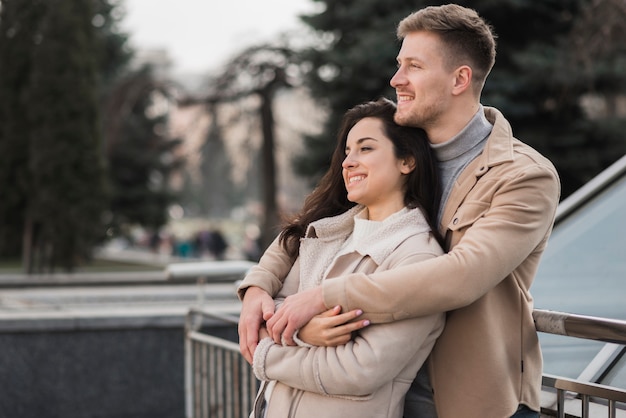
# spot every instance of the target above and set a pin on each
(552, 58)
(353, 66)
(57, 63)
(54, 59)
(66, 194)
(141, 155)
(19, 22)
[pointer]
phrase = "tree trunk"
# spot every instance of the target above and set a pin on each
(270, 224)
(27, 245)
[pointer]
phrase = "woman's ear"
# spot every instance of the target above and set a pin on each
(407, 165)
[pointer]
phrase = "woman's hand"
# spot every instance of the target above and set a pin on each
(332, 328)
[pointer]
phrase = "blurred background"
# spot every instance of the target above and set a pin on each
(189, 128)
(149, 150)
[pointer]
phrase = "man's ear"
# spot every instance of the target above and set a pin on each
(408, 165)
(462, 79)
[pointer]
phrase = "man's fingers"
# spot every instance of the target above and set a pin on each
(267, 307)
(275, 326)
(288, 334)
(295, 311)
(248, 339)
(331, 312)
(256, 303)
(252, 342)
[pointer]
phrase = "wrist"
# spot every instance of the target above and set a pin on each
(318, 298)
(251, 291)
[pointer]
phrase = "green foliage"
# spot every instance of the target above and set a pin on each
(61, 173)
(355, 65)
(552, 56)
(18, 30)
(59, 63)
(113, 53)
(140, 153)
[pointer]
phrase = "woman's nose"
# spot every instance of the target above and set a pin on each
(349, 161)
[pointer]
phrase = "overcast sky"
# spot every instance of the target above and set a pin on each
(201, 34)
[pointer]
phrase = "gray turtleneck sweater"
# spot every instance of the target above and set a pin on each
(455, 154)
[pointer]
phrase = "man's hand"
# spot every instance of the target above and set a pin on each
(296, 311)
(263, 333)
(257, 307)
(332, 328)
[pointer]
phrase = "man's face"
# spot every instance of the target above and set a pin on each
(422, 82)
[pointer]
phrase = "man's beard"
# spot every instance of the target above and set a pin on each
(408, 119)
(425, 117)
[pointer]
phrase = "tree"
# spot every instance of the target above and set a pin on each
(113, 53)
(19, 22)
(259, 71)
(61, 184)
(54, 60)
(539, 81)
(218, 188)
(572, 51)
(353, 64)
(140, 153)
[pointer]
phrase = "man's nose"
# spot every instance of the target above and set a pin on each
(398, 78)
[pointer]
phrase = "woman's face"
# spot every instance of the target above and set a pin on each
(373, 176)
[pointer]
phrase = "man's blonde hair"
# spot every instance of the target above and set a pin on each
(467, 38)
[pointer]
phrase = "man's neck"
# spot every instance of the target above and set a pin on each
(453, 122)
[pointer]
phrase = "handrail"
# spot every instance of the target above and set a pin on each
(220, 383)
(582, 397)
(213, 270)
(581, 326)
(590, 389)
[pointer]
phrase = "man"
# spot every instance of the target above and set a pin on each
(498, 206)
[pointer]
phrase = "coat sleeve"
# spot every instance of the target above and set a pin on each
(515, 223)
(270, 272)
(358, 368)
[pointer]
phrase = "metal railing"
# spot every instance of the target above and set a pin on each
(584, 397)
(220, 383)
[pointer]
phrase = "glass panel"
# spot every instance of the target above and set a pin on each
(617, 375)
(567, 356)
(583, 271)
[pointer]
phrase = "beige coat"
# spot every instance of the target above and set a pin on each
(369, 376)
(497, 222)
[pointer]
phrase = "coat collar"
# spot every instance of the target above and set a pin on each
(498, 150)
(499, 146)
(325, 238)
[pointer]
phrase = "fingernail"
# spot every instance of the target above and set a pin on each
(366, 323)
(359, 312)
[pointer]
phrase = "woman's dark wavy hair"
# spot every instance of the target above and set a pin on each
(330, 197)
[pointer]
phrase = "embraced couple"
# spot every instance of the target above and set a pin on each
(423, 239)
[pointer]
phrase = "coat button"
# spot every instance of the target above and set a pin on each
(455, 221)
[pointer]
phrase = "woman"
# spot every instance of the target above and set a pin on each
(373, 210)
